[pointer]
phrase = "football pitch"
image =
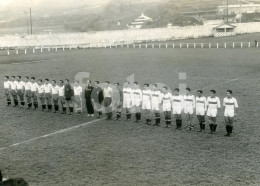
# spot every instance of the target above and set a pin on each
(53, 149)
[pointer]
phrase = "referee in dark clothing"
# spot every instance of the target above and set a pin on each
(88, 92)
(68, 95)
(97, 98)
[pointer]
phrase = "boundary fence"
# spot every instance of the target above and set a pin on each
(43, 49)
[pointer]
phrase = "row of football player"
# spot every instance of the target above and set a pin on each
(149, 99)
(152, 99)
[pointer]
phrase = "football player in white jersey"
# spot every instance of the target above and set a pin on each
(13, 84)
(47, 95)
(7, 86)
(201, 107)
(34, 89)
(137, 97)
(78, 98)
(117, 100)
(127, 95)
(146, 104)
(61, 97)
(20, 90)
(213, 104)
(167, 106)
(27, 92)
(189, 107)
(230, 105)
(177, 107)
(40, 94)
(156, 99)
(55, 96)
(108, 100)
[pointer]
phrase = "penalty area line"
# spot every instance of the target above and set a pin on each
(51, 134)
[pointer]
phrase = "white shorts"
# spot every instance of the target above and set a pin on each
(166, 107)
(136, 102)
(127, 103)
(155, 107)
(146, 105)
(229, 113)
(200, 111)
(188, 110)
(176, 110)
(212, 113)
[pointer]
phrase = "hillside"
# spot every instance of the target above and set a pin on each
(85, 17)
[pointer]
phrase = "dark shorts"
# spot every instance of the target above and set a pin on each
(107, 101)
(13, 92)
(33, 94)
(68, 98)
(6, 91)
(20, 92)
(77, 99)
(27, 93)
(47, 95)
(40, 95)
(62, 99)
(55, 96)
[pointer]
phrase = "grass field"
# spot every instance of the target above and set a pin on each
(121, 153)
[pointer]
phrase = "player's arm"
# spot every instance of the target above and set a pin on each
(205, 104)
(218, 105)
(121, 96)
(235, 107)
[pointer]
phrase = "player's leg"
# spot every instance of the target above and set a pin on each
(118, 111)
(8, 97)
(35, 100)
(139, 115)
(63, 105)
(227, 126)
(199, 117)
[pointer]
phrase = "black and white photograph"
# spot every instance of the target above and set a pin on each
(129, 92)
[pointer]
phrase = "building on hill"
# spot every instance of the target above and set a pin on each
(140, 22)
(224, 29)
(239, 9)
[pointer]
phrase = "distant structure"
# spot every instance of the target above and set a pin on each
(224, 29)
(234, 9)
(139, 22)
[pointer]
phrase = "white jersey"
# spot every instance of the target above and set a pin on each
(27, 85)
(189, 101)
(61, 90)
(20, 85)
(167, 98)
(13, 85)
(54, 89)
(177, 101)
(41, 89)
(213, 103)
(108, 92)
(127, 93)
(156, 96)
(34, 87)
(137, 94)
(77, 90)
(47, 88)
(7, 84)
(146, 95)
(201, 103)
(230, 103)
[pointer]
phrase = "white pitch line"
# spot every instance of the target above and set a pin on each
(29, 62)
(51, 134)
